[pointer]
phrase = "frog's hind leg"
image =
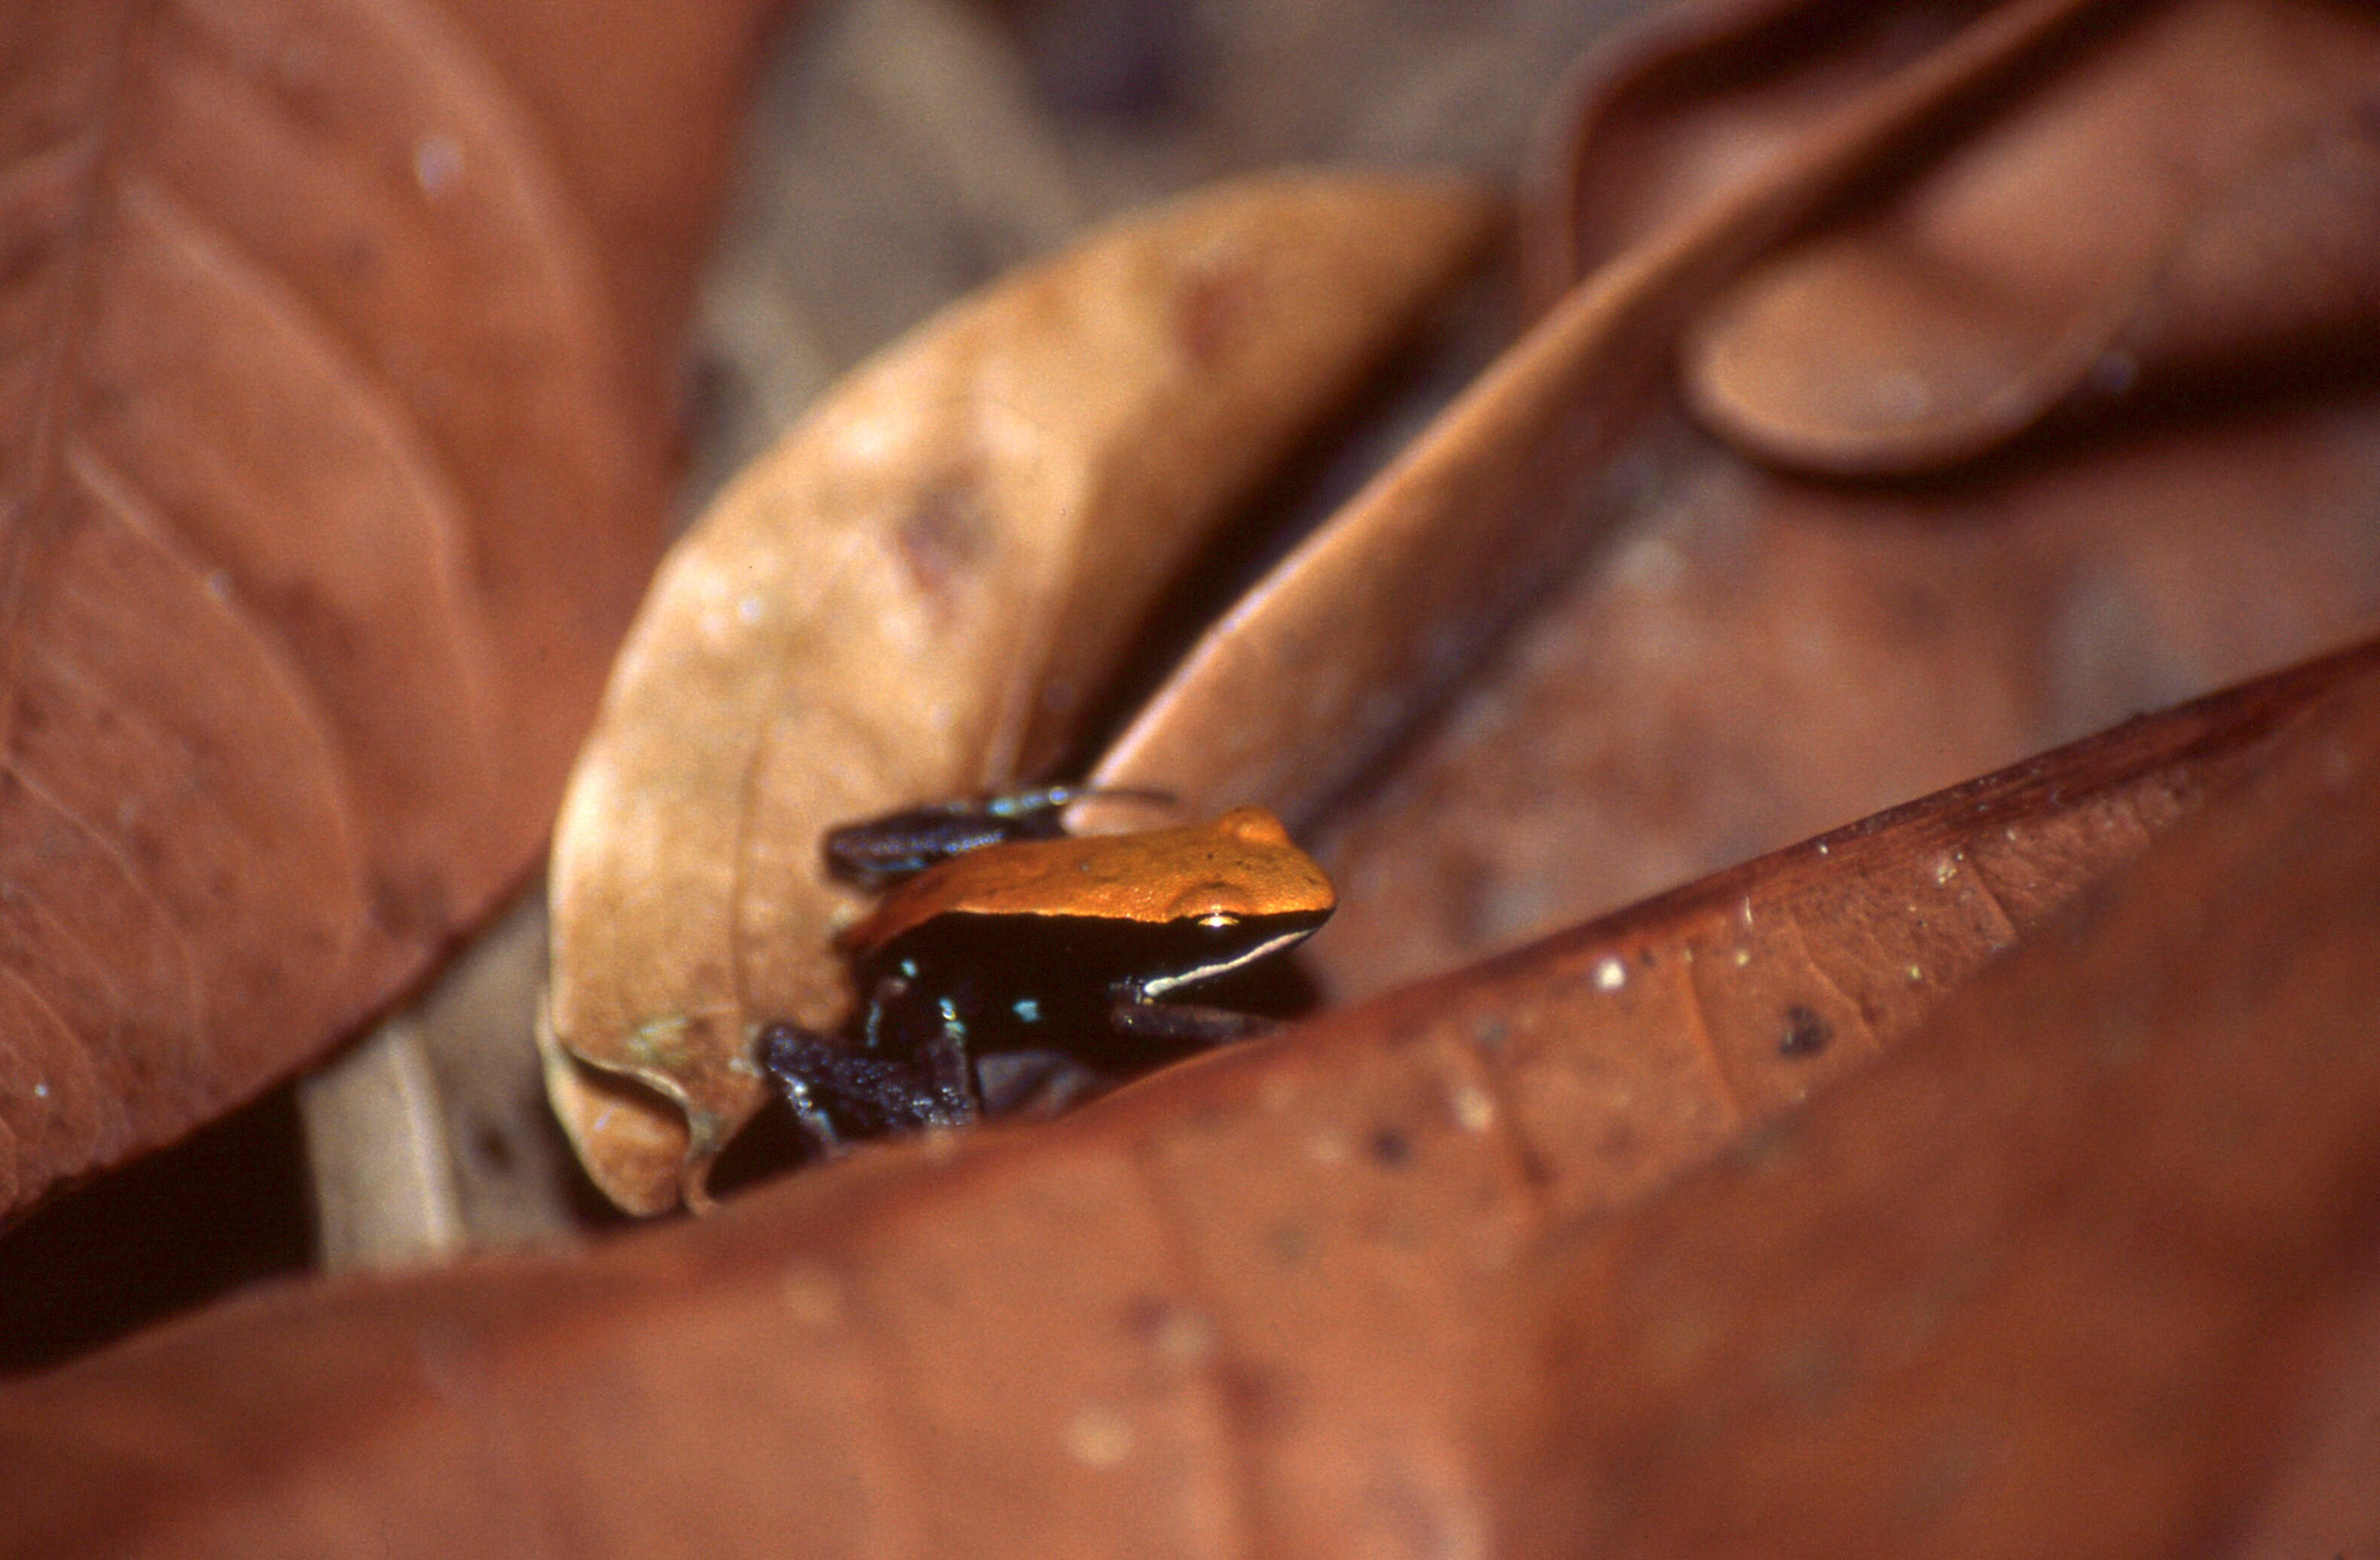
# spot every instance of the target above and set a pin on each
(841, 1096)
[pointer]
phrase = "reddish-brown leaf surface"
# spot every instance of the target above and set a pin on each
(1385, 608)
(2041, 1216)
(2052, 1295)
(333, 351)
(1241, 1308)
(1545, 697)
(2218, 147)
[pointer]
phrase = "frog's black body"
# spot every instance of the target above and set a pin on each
(1084, 982)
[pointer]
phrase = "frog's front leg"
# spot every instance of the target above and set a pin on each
(842, 1094)
(1132, 1013)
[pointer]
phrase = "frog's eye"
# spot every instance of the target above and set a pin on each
(1219, 919)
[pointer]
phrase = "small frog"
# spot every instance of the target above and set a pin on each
(1002, 936)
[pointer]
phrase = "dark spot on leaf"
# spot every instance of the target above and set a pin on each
(1208, 315)
(1812, 1370)
(1919, 613)
(1144, 1314)
(942, 541)
(492, 1147)
(453, 1360)
(24, 257)
(1806, 1035)
(356, 255)
(314, 622)
(148, 852)
(305, 93)
(1255, 1398)
(106, 398)
(1390, 1147)
(414, 910)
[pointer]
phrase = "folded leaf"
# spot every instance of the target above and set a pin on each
(2224, 154)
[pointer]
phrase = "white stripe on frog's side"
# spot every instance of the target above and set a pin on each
(1158, 986)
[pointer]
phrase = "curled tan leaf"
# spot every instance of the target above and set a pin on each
(915, 594)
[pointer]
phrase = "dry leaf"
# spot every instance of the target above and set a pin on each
(1727, 658)
(2219, 149)
(1386, 608)
(1756, 660)
(1694, 100)
(1235, 1309)
(1242, 1307)
(2043, 1283)
(330, 470)
(913, 596)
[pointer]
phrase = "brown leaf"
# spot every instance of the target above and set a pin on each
(640, 103)
(1693, 104)
(913, 597)
(330, 473)
(1655, 658)
(1655, 1036)
(1235, 1309)
(2034, 1285)
(1240, 1308)
(1382, 611)
(2225, 156)
(1756, 658)
(2319, 1500)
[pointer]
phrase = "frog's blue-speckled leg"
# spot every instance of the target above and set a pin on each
(841, 1096)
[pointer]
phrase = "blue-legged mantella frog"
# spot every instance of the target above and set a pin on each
(1007, 953)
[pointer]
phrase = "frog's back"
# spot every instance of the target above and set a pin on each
(1242, 866)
